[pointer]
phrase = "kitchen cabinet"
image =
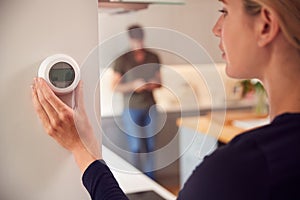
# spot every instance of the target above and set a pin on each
(123, 6)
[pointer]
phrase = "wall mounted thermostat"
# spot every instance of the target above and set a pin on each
(61, 72)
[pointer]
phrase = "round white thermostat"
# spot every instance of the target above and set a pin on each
(61, 72)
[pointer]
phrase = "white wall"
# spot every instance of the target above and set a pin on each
(33, 167)
(195, 19)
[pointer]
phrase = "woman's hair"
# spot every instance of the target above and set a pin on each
(288, 12)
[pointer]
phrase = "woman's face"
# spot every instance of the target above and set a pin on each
(235, 28)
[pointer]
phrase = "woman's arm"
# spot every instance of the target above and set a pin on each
(70, 128)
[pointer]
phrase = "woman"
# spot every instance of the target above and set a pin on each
(258, 39)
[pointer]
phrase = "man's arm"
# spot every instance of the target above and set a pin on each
(137, 85)
(155, 82)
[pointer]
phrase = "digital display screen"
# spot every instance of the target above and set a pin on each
(61, 75)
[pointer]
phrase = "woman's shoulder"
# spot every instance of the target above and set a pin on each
(229, 173)
(283, 126)
(262, 149)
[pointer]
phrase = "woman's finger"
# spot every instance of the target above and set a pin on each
(44, 99)
(39, 109)
(52, 100)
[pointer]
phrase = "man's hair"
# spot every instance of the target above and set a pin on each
(135, 32)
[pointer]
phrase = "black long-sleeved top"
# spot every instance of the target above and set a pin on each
(263, 163)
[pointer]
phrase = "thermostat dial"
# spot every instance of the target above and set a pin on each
(61, 72)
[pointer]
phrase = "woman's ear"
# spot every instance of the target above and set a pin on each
(267, 27)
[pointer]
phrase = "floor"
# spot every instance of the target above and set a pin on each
(171, 183)
(173, 189)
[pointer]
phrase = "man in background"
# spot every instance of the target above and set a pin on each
(136, 75)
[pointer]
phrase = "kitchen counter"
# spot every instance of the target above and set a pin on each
(220, 125)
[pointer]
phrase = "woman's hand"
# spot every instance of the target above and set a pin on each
(70, 128)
